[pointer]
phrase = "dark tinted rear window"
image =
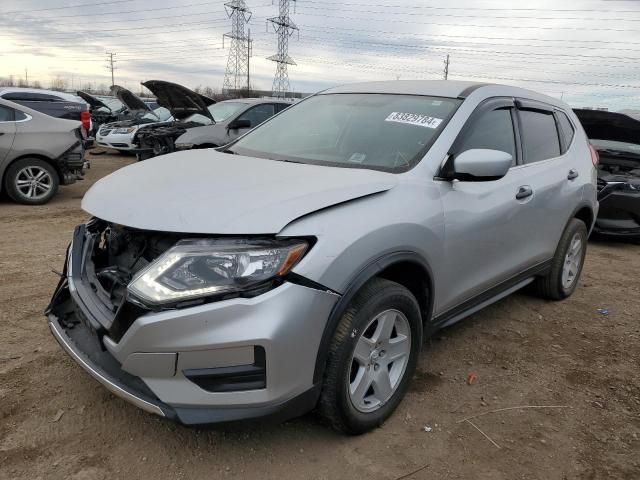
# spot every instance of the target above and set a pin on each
(566, 129)
(33, 97)
(539, 136)
(6, 114)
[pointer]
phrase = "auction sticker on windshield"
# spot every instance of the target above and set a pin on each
(414, 119)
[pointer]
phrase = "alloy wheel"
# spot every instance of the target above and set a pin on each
(572, 261)
(379, 360)
(33, 182)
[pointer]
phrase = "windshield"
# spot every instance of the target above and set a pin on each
(612, 145)
(221, 111)
(159, 113)
(377, 131)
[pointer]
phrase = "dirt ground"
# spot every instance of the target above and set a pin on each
(58, 423)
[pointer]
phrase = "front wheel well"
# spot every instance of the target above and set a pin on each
(415, 278)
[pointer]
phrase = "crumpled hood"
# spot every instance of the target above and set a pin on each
(92, 101)
(209, 192)
(603, 125)
(130, 100)
(179, 100)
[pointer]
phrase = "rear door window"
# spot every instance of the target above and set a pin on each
(566, 130)
(539, 134)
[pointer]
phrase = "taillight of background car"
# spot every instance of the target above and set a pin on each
(595, 157)
(85, 118)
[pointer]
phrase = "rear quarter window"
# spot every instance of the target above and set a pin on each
(6, 114)
(566, 130)
(540, 139)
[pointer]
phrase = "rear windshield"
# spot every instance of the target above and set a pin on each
(376, 131)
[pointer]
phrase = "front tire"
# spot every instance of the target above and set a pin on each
(31, 181)
(372, 357)
(567, 263)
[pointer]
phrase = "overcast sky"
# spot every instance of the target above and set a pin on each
(586, 51)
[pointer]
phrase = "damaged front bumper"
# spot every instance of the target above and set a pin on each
(230, 360)
(619, 213)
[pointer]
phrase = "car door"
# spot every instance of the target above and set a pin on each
(488, 225)
(256, 115)
(7, 131)
(551, 174)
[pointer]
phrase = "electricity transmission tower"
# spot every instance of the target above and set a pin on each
(284, 27)
(111, 65)
(236, 76)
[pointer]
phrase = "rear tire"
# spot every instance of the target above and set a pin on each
(567, 263)
(31, 181)
(368, 371)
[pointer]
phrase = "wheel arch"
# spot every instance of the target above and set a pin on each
(409, 269)
(39, 156)
(585, 213)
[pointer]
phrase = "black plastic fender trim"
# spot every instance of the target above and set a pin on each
(362, 277)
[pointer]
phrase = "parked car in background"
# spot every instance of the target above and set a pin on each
(53, 103)
(188, 108)
(120, 135)
(232, 118)
(304, 264)
(616, 137)
(38, 153)
(103, 110)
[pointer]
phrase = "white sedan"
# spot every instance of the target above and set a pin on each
(120, 135)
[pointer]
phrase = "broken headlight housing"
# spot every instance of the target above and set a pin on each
(124, 130)
(206, 267)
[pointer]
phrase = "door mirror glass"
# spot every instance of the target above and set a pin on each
(240, 123)
(481, 165)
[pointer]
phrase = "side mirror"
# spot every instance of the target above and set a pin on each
(239, 123)
(481, 165)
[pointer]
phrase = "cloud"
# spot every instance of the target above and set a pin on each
(587, 53)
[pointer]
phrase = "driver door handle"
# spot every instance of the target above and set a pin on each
(524, 192)
(573, 174)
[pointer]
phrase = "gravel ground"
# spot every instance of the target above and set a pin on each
(58, 423)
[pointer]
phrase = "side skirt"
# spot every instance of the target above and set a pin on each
(488, 297)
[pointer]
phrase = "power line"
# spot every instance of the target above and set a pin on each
(476, 8)
(453, 15)
(69, 6)
(537, 27)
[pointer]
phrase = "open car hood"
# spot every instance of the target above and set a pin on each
(209, 192)
(92, 101)
(601, 125)
(131, 101)
(179, 100)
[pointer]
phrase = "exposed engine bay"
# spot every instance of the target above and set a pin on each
(618, 169)
(117, 253)
(160, 139)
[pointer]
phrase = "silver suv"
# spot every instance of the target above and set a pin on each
(303, 265)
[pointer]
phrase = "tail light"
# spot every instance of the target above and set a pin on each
(85, 118)
(595, 157)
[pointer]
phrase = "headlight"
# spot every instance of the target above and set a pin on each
(184, 146)
(125, 130)
(203, 267)
(632, 187)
